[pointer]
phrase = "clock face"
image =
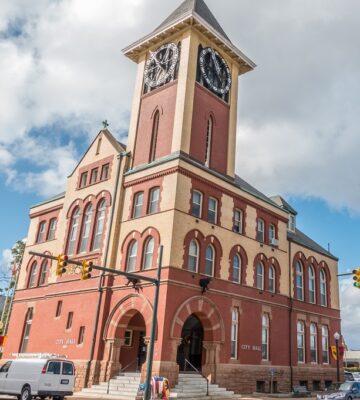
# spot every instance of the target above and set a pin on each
(161, 65)
(215, 71)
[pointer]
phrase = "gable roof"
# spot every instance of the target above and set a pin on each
(191, 13)
(192, 7)
(242, 184)
(283, 204)
(51, 199)
(117, 145)
(303, 240)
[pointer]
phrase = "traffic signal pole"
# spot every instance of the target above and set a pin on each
(153, 330)
(130, 276)
(134, 278)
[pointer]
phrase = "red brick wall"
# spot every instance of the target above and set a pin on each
(205, 105)
(162, 99)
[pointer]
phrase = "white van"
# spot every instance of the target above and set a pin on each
(42, 377)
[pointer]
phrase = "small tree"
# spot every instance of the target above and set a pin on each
(17, 252)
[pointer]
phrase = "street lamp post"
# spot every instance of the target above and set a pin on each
(337, 337)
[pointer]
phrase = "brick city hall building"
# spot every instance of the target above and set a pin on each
(273, 302)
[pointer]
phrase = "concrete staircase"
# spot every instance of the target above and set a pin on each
(125, 387)
(193, 386)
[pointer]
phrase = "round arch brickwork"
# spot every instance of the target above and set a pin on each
(122, 313)
(207, 313)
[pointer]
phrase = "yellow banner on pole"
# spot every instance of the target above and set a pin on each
(333, 352)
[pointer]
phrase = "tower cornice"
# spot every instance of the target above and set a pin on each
(188, 20)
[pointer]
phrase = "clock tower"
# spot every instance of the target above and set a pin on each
(186, 90)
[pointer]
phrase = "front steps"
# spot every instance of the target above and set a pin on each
(125, 387)
(193, 386)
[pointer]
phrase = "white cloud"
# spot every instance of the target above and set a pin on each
(349, 296)
(298, 120)
(5, 262)
(61, 62)
(56, 163)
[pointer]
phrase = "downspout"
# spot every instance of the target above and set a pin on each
(290, 317)
(120, 157)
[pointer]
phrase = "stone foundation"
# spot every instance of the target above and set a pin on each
(236, 377)
(244, 378)
(251, 378)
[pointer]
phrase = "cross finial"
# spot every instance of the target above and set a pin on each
(105, 124)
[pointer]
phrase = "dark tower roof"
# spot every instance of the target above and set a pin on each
(190, 7)
(197, 14)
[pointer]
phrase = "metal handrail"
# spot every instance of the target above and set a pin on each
(200, 373)
(124, 369)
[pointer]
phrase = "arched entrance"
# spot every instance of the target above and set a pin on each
(191, 346)
(133, 350)
(126, 327)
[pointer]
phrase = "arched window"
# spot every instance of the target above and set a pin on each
(313, 343)
(131, 260)
(209, 134)
(154, 200)
(193, 256)
(311, 272)
(85, 231)
(52, 229)
(301, 341)
(299, 281)
(212, 210)
(325, 344)
(74, 226)
(26, 330)
(260, 276)
(265, 337)
(41, 232)
(209, 261)
(33, 273)
(236, 268)
(272, 278)
(148, 253)
(43, 273)
(138, 204)
(323, 291)
(234, 332)
(99, 225)
(260, 230)
(154, 136)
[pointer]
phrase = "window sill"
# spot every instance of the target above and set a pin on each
(92, 184)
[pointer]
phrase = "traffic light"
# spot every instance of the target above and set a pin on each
(61, 264)
(356, 277)
(86, 269)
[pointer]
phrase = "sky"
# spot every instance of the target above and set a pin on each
(63, 73)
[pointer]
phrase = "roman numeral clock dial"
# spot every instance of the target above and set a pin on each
(215, 71)
(161, 66)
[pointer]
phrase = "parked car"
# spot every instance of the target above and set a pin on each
(346, 391)
(349, 376)
(356, 376)
(42, 377)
